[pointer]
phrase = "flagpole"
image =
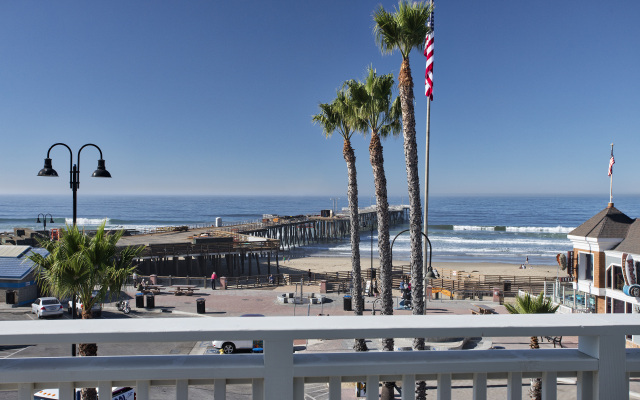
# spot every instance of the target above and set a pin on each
(429, 94)
(426, 204)
(611, 180)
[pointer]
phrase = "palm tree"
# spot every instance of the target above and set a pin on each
(381, 114)
(405, 30)
(340, 116)
(533, 305)
(79, 265)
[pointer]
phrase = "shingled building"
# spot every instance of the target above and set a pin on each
(606, 262)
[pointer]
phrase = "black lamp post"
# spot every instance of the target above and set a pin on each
(74, 182)
(44, 220)
(74, 172)
(429, 274)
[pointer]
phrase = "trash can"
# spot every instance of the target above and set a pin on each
(154, 279)
(200, 305)
(347, 303)
(10, 297)
(139, 300)
(151, 300)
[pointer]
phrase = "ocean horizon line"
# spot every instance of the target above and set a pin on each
(361, 197)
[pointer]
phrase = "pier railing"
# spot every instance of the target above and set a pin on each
(601, 365)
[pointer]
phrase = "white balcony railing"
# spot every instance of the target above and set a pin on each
(601, 363)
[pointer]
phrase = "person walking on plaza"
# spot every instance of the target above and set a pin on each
(214, 276)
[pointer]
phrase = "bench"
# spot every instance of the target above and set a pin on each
(474, 311)
(179, 290)
(482, 309)
(555, 340)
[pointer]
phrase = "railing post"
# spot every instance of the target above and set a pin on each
(335, 388)
(219, 389)
(103, 387)
(182, 389)
(480, 386)
(67, 391)
(408, 387)
(142, 390)
(585, 385)
(278, 369)
(298, 388)
(25, 391)
(373, 387)
(444, 386)
(610, 380)
(549, 385)
(514, 386)
(257, 386)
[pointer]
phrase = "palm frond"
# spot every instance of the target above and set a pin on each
(403, 30)
(78, 264)
(386, 30)
(527, 304)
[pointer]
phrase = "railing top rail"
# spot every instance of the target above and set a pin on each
(333, 327)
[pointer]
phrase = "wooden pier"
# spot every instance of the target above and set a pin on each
(233, 250)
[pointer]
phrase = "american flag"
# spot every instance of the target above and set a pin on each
(428, 52)
(611, 162)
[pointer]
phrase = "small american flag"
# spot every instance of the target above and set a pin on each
(428, 52)
(611, 162)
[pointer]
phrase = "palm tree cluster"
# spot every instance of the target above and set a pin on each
(527, 304)
(369, 106)
(85, 268)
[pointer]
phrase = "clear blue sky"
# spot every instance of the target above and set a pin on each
(213, 97)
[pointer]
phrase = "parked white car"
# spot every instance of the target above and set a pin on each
(119, 393)
(231, 346)
(96, 310)
(46, 307)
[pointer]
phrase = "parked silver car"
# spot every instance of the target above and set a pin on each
(47, 306)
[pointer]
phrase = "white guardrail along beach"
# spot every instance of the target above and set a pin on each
(601, 363)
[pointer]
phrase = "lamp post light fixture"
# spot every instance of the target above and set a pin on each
(74, 172)
(74, 182)
(44, 220)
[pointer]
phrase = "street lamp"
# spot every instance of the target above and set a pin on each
(74, 182)
(74, 172)
(44, 220)
(429, 273)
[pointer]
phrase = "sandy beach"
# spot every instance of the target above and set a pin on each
(333, 264)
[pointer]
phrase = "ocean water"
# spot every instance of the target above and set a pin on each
(491, 229)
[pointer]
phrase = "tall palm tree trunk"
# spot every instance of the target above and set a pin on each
(535, 388)
(377, 163)
(405, 93)
(88, 350)
(352, 194)
(382, 209)
(413, 180)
